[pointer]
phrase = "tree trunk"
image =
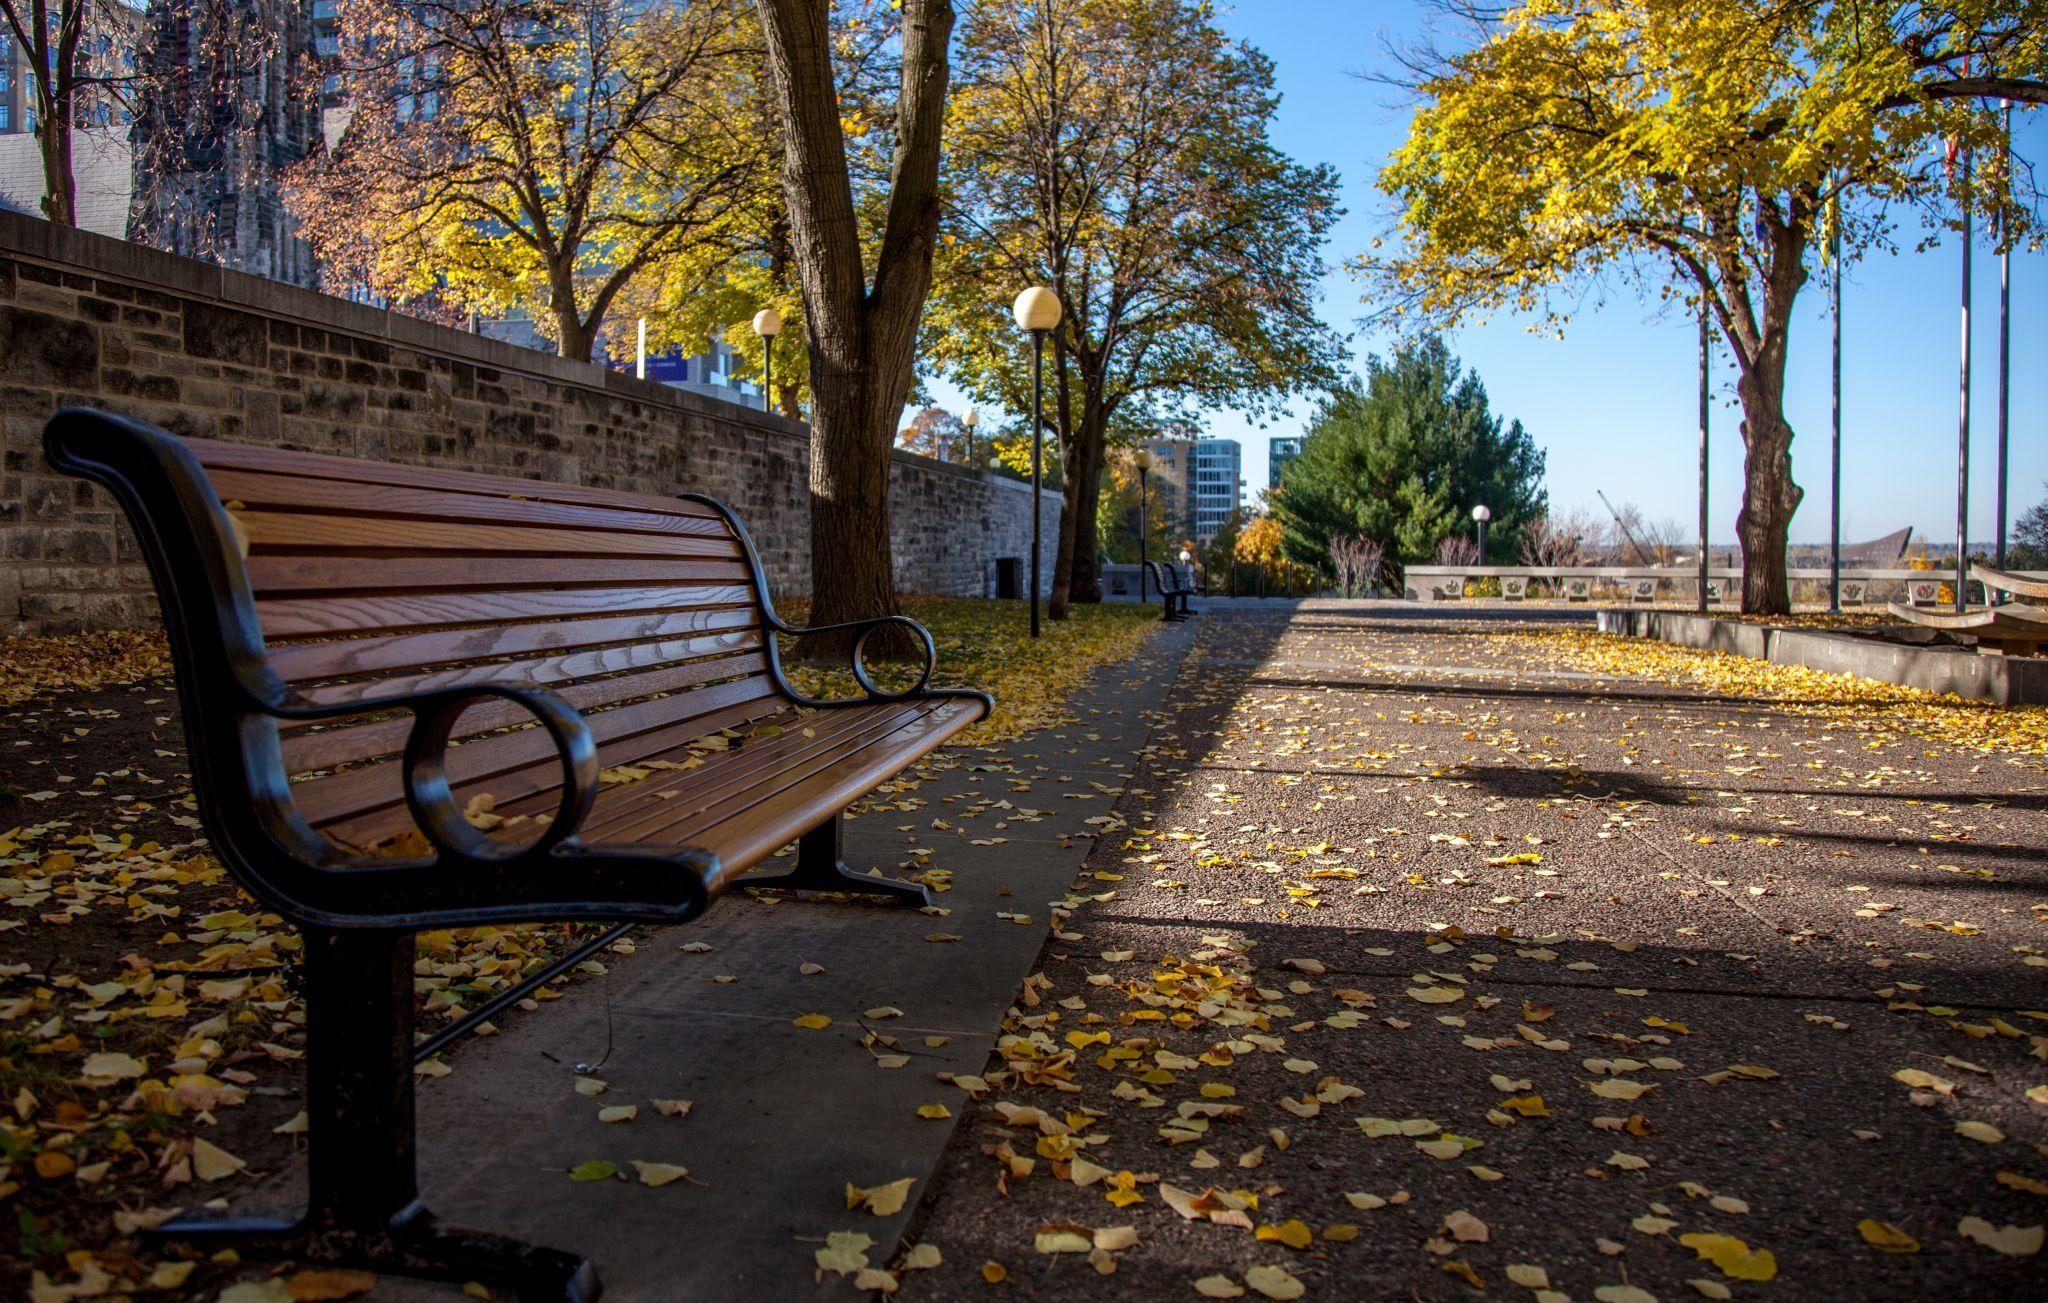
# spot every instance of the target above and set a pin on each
(575, 339)
(862, 339)
(1769, 496)
(1074, 575)
(852, 417)
(60, 188)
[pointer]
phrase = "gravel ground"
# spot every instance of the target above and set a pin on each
(1446, 960)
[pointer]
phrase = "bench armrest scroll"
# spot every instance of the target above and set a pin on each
(427, 790)
(867, 629)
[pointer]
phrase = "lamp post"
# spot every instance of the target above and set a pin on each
(1144, 460)
(1480, 515)
(1037, 310)
(1185, 557)
(972, 419)
(767, 324)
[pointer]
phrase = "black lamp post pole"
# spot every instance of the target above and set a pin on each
(1144, 519)
(768, 374)
(1037, 444)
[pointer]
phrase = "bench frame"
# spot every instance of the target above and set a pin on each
(363, 1204)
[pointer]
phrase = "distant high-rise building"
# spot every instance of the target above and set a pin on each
(222, 116)
(1284, 448)
(1198, 481)
(1173, 481)
(1219, 484)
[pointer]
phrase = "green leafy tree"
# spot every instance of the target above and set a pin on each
(1402, 460)
(2029, 547)
(1700, 152)
(1116, 522)
(1118, 152)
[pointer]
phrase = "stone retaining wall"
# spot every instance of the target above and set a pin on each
(206, 352)
(1867, 652)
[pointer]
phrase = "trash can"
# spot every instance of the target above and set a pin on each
(1010, 578)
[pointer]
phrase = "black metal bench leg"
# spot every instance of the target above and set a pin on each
(821, 866)
(363, 1207)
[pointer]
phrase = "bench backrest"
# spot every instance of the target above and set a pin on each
(364, 579)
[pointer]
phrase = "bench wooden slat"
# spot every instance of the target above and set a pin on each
(481, 764)
(276, 573)
(757, 831)
(331, 747)
(567, 667)
(259, 492)
(368, 823)
(217, 455)
(335, 615)
(303, 661)
(391, 533)
(719, 796)
(755, 765)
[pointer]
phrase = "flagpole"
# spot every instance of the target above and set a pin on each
(1835, 448)
(1706, 357)
(2004, 349)
(1963, 410)
(1706, 409)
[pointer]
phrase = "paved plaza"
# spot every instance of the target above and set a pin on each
(1429, 957)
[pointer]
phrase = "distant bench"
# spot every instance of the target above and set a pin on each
(1174, 590)
(2016, 628)
(372, 657)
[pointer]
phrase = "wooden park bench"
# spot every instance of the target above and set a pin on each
(374, 661)
(1174, 591)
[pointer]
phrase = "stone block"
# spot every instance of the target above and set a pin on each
(225, 334)
(40, 349)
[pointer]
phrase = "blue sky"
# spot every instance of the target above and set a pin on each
(1614, 403)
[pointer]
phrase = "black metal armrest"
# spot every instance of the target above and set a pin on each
(867, 630)
(425, 770)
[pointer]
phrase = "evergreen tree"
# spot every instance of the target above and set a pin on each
(1402, 460)
(2029, 547)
